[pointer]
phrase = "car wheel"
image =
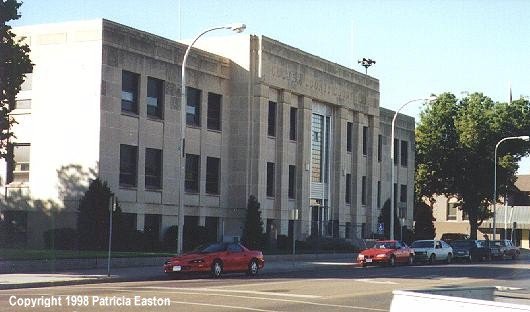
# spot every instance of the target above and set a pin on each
(432, 259)
(411, 259)
(449, 258)
(392, 261)
(470, 258)
(217, 269)
(363, 264)
(253, 268)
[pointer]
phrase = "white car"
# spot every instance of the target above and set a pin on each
(432, 250)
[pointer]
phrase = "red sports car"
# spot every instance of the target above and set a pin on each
(217, 258)
(387, 252)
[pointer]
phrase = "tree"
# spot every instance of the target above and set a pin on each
(455, 143)
(384, 217)
(253, 231)
(93, 218)
(14, 64)
(424, 226)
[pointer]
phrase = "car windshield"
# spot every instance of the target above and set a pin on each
(422, 244)
(210, 248)
(462, 243)
(385, 245)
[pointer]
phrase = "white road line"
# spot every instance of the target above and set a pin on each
(373, 281)
(222, 306)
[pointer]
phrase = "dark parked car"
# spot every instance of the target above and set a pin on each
(448, 237)
(506, 248)
(470, 250)
(494, 250)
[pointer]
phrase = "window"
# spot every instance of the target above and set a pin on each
(270, 179)
(152, 224)
(404, 153)
(191, 180)
(396, 151)
(155, 97)
(292, 181)
(128, 165)
(18, 171)
(193, 107)
(153, 168)
(363, 191)
(451, 211)
(213, 121)
(212, 175)
(23, 104)
(129, 92)
(395, 195)
(347, 198)
(365, 141)
(349, 144)
(271, 129)
(317, 147)
(379, 148)
(403, 194)
(378, 194)
(293, 124)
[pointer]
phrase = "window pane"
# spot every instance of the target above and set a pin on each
(379, 147)
(153, 168)
(292, 181)
(293, 125)
(365, 141)
(214, 111)
(193, 107)
(212, 175)
(19, 170)
(317, 125)
(349, 136)
(129, 92)
(396, 151)
(348, 188)
(404, 153)
(128, 165)
(363, 191)
(270, 179)
(191, 181)
(154, 97)
(271, 129)
(403, 194)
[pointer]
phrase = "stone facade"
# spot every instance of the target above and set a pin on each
(297, 164)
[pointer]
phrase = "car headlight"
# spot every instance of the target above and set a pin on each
(360, 257)
(197, 261)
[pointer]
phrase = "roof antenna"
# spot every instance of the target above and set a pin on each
(366, 62)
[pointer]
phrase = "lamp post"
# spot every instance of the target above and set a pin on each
(234, 27)
(431, 98)
(522, 137)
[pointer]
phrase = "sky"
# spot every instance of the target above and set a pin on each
(420, 47)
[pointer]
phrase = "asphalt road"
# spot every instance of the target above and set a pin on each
(333, 287)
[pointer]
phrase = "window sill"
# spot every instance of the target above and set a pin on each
(291, 198)
(129, 114)
(293, 141)
(128, 187)
(154, 118)
(191, 192)
(271, 137)
(153, 189)
(215, 130)
(213, 194)
(270, 197)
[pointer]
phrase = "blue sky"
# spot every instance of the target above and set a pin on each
(421, 47)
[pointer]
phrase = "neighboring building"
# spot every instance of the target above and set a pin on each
(305, 136)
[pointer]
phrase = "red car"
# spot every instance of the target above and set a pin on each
(387, 252)
(217, 258)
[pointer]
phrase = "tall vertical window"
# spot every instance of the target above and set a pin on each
(153, 168)
(213, 121)
(271, 128)
(270, 179)
(363, 191)
(128, 165)
(395, 195)
(365, 141)
(293, 124)
(404, 153)
(129, 92)
(18, 170)
(378, 194)
(403, 193)
(191, 180)
(349, 142)
(292, 182)
(212, 175)
(396, 151)
(317, 147)
(155, 97)
(451, 211)
(193, 107)
(379, 148)
(347, 197)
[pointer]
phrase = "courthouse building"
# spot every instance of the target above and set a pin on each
(304, 135)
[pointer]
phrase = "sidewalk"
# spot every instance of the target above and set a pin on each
(273, 264)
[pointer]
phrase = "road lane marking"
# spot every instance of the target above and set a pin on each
(222, 306)
(373, 281)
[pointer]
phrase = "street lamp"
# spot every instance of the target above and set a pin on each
(238, 27)
(522, 137)
(431, 98)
